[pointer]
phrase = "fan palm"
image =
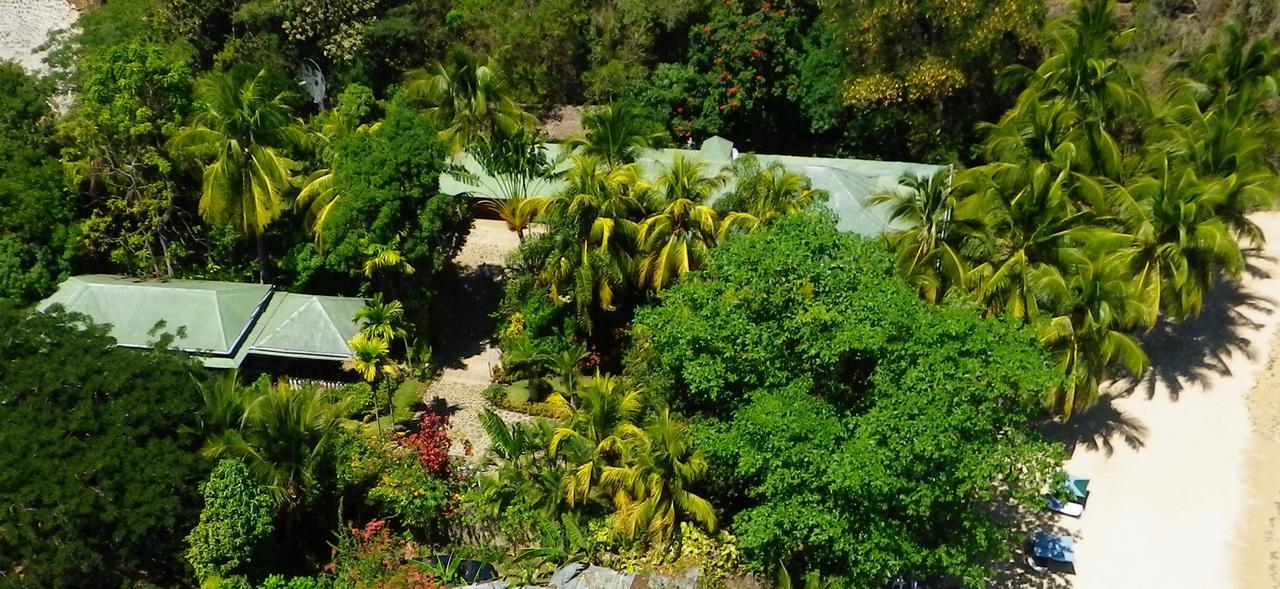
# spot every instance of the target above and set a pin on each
(598, 425)
(926, 247)
(238, 137)
(466, 95)
(652, 494)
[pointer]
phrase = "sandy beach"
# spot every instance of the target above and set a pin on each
(1185, 481)
(26, 24)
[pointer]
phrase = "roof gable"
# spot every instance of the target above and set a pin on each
(306, 326)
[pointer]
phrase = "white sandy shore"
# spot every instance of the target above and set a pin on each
(1167, 458)
(26, 24)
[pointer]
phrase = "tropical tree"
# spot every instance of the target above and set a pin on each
(239, 136)
(280, 432)
(371, 359)
(522, 474)
(380, 319)
(677, 238)
(653, 492)
(616, 134)
(1092, 309)
(762, 194)
(1233, 68)
(598, 425)
(928, 253)
(1182, 241)
(467, 96)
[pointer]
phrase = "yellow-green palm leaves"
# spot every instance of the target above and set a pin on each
(762, 194)
(467, 97)
(677, 239)
(598, 426)
(371, 358)
(927, 254)
(652, 494)
(237, 137)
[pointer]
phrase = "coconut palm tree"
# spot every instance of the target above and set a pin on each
(1092, 306)
(1233, 68)
(1027, 219)
(598, 425)
(760, 195)
(652, 494)
(280, 433)
(677, 239)
(467, 96)
(238, 137)
(371, 359)
(616, 134)
(927, 247)
(520, 470)
(1181, 241)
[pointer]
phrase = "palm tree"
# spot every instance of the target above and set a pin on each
(1092, 305)
(927, 246)
(521, 472)
(1234, 68)
(518, 213)
(652, 493)
(466, 95)
(1027, 221)
(616, 134)
(280, 433)
(761, 195)
(381, 320)
(371, 359)
(237, 137)
(678, 238)
(598, 425)
(1181, 241)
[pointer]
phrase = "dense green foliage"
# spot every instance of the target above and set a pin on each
(1103, 207)
(98, 480)
(853, 429)
(238, 515)
(35, 209)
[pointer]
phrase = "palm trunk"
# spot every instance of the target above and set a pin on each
(263, 275)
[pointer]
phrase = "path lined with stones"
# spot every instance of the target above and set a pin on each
(468, 355)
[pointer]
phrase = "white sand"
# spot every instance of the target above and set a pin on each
(1169, 514)
(26, 24)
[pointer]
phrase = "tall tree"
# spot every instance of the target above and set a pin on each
(239, 136)
(466, 95)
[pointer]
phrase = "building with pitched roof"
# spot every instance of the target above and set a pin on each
(224, 324)
(849, 183)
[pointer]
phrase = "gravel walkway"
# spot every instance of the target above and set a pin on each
(468, 355)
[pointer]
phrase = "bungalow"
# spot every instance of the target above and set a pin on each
(227, 325)
(850, 183)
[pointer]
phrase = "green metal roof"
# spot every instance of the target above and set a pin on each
(222, 322)
(849, 182)
(206, 317)
(306, 326)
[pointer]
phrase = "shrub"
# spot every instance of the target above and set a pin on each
(238, 514)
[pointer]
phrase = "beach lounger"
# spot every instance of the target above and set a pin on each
(1070, 508)
(1079, 488)
(1054, 547)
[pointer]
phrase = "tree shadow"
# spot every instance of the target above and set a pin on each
(465, 325)
(1015, 573)
(1197, 350)
(1097, 428)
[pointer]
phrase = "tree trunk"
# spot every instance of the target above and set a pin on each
(263, 275)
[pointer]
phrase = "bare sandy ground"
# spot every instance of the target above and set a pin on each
(26, 24)
(1184, 493)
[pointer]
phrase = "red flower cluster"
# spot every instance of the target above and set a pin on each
(431, 443)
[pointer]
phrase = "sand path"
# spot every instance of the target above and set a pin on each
(468, 355)
(1167, 455)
